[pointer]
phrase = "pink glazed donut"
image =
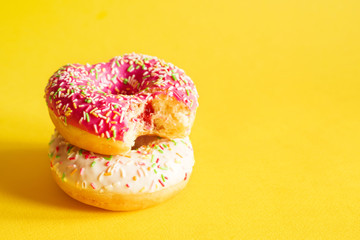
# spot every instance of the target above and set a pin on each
(104, 107)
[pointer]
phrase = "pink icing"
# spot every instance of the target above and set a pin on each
(96, 97)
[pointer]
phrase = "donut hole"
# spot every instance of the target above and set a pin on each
(129, 83)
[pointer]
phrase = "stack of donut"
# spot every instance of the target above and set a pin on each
(122, 131)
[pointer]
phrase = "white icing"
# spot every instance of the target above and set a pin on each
(147, 169)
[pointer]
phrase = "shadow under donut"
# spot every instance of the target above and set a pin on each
(25, 174)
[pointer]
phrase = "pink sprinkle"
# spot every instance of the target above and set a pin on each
(185, 176)
(127, 185)
(82, 171)
(161, 183)
(157, 161)
(107, 163)
(71, 158)
(93, 185)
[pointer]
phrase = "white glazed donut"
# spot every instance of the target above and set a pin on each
(152, 173)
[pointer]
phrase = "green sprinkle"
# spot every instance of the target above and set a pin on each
(83, 93)
(155, 170)
(164, 145)
(117, 63)
(113, 78)
(58, 90)
(152, 158)
(65, 120)
(51, 155)
(87, 117)
(92, 164)
(114, 133)
(162, 177)
(108, 158)
(126, 81)
(157, 148)
(143, 67)
(137, 67)
(57, 156)
(72, 84)
(96, 75)
(63, 177)
(130, 68)
(147, 76)
(72, 90)
(70, 148)
(153, 165)
(80, 152)
(174, 77)
(51, 141)
(116, 106)
(174, 142)
(187, 92)
(164, 168)
(88, 100)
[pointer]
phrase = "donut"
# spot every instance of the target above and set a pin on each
(104, 107)
(152, 172)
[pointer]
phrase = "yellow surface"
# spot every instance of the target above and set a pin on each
(276, 136)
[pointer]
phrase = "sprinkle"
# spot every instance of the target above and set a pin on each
(179, 155)
(107, 174)
(162, 177)
(155, 171)
(71, 158)
(142, 189)
(174, 77)
(187, 92)
(161, 151)
(80, 152)
(130, 68)
(63, 177)
(174, 141)
(117, 63)
(108, 158)
(73, 171)
(93, 185)
(92, 164)
(161, 183)
(134, 178)
(164, 168)
(69, 148)
(185, 176)
(127, 185)
(96, 75)
(126, 80)
(82, 171)
(52, 140)
(87, 117)
(107, 163)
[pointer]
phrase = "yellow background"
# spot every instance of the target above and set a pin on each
(276, 136)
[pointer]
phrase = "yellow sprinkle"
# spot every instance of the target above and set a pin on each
(142, 189)
(107, 174)
(134, 178)
(73, 171)
(75, 105)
